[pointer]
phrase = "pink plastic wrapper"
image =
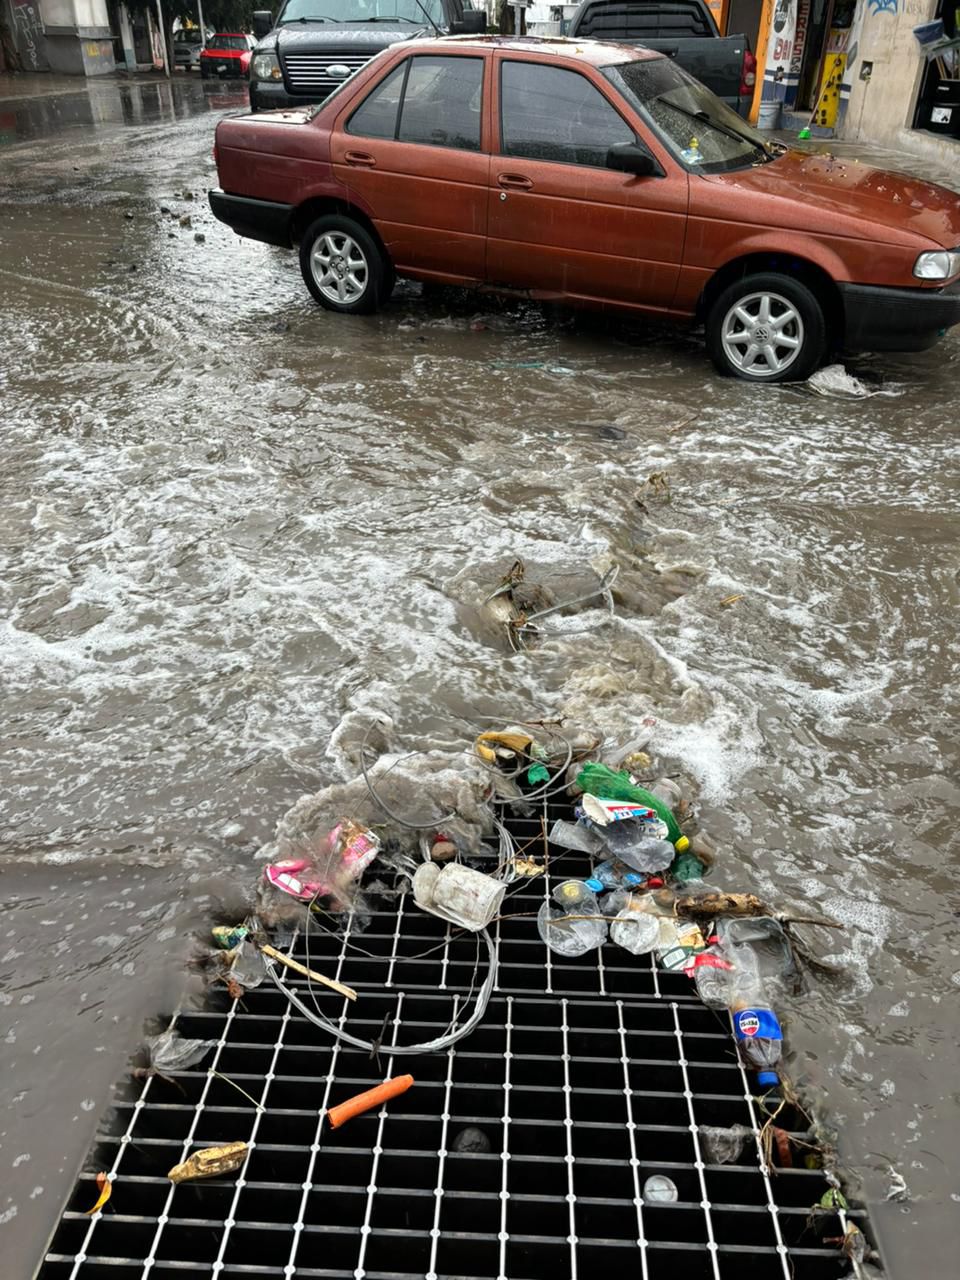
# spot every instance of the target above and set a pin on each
(349, 850)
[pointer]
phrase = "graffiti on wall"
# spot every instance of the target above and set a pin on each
(884, 6)
(27, 35)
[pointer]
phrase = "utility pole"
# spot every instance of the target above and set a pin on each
(163, 41)
(203, 30)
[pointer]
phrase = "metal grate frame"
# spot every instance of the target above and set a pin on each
(586, 1076)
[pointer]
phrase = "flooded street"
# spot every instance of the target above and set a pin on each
(233, 526)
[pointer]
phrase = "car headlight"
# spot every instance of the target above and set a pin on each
(265, 66)
(939, 265)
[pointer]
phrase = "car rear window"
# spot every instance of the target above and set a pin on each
(228, 42)
(641, 22)
(433, 101)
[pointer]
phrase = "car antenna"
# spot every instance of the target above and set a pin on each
(425, 13)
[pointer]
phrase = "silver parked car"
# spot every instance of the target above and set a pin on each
(187, 45)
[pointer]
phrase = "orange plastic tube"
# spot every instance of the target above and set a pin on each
(364, 1101)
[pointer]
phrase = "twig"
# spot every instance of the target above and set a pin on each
(220, 1076)
(339, 987)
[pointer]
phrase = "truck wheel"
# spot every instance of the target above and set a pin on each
(767, 328)
(343, 266)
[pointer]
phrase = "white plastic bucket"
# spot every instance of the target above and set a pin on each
(769, 117)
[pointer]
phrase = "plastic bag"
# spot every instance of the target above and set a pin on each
(723, 1146)
(170, 1052)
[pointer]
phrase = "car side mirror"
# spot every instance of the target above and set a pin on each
(473, 23)
(631, 157)
(262, 23)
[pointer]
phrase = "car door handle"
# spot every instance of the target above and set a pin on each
(360, 158)
(515, 180)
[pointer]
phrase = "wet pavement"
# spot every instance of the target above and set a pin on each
(233, 526)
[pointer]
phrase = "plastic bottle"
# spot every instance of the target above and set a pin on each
(630, 842)
(754, 1023)
(668, 791)
(713, 977)
(615, 875)
(575, 835)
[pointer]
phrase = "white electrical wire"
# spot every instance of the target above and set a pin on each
(431, 1046)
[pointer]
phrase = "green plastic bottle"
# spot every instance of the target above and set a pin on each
(608, 784)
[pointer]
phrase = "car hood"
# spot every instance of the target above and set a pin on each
(841, 187)
(342, 37)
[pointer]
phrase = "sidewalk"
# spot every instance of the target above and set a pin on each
(15, 86)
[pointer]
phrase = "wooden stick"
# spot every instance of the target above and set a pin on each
(274, 954)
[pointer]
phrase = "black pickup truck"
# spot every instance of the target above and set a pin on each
(315, 44)
(684, 30)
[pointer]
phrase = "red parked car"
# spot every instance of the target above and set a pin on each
(227, 54)
(597, 175)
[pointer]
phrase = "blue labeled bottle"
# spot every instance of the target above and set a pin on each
(755, 1025)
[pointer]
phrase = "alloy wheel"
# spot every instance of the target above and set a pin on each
(339, 267)
(762, 334)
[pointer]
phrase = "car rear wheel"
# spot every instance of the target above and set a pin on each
(767, 328)
(344, 267)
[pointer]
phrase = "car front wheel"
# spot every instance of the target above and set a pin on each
(343, 266)
(767, 328)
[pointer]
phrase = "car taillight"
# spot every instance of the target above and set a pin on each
(748, 74)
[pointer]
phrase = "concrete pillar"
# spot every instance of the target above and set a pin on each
(77, 36)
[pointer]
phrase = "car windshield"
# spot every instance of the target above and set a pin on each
(187, 37)
(405, 11)
(700, 130)
(228, 42)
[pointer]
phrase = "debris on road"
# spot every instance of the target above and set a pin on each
(170, 1052)
(362, 1102)
(211, 1162)
(105, 1188)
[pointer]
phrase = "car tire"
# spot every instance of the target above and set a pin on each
(344, 267)
(767, 327)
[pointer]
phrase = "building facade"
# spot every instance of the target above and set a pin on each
(855, 69)
(79, 37)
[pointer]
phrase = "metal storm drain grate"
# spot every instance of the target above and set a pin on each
(585, 1078)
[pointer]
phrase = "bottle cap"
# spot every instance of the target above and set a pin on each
(682, 844)
(766, 1079)
(596, 885)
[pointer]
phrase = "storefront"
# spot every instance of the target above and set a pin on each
(903, 94)
(938, 103)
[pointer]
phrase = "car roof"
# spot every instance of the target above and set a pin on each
(598, 53)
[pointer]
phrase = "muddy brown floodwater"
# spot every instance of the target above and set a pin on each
(232, 525)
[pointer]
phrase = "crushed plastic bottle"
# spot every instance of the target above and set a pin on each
(575, 835)
(755, 1024)
(565, 922)
(766, 939)
(631, 842)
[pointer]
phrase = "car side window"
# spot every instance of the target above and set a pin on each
(550, 113)
(442, 103)
(376, 117)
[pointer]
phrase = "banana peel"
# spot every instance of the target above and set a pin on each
(210, 1162)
